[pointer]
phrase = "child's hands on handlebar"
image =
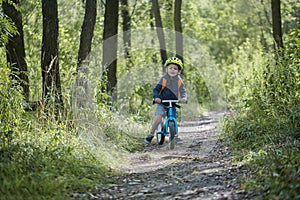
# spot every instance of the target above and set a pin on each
(183, 100)
(157, 100)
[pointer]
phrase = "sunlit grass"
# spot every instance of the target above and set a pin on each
(53, 155)
(263, 129)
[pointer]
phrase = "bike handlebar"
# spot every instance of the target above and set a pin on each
(170, 102)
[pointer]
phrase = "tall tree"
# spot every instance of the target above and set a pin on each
(49, 57)
(276, 21)
(178, 29)
(15, 51)
(126, 28)
(110, 47)
(87, 33)
(154, 57)
(159, 31)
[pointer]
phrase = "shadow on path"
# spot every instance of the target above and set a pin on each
(200, 168)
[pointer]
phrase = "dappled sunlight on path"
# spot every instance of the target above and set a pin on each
(200, 168)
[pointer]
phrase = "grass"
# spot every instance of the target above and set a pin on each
(48, 160)
(264, 129)
(55, 157)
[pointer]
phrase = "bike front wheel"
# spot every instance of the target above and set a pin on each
(160, 137)
(172, 131)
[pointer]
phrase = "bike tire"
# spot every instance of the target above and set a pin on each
(160, 137)
(172, 133)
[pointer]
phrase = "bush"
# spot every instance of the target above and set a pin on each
(11, 108)
(40, 159)
(264, 128)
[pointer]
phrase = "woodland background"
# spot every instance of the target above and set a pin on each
(77, 77)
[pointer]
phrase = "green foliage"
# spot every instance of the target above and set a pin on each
(11, 108)
(54, 158)
(139, 100)
(40, 159)
(247, 61)
(119, 128)
(135, 85)
(141, 13)
(222, 25)
(47, 162)
(198, 85)
(7, 27)
(264, 127)
(32, 29)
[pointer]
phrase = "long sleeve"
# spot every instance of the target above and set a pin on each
(183, 93)
(157, 89)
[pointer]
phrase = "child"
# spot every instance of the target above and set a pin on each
(169, 87)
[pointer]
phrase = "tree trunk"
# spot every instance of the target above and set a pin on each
(87, 33)
(178, 29)
(276, 21)
(110, 47)
(15, 51)
(49, 57)
(126, 31)
(160, 32)
(154, 57)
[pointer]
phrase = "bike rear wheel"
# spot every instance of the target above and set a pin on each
(172, 132)
(160, 137)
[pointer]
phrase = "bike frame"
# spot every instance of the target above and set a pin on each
(170, 116)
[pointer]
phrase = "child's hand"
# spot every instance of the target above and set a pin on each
(157, 100)
(183, 100)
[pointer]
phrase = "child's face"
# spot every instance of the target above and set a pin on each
(172, 70)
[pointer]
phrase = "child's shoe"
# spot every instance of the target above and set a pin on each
(178, 140)
(149, 138)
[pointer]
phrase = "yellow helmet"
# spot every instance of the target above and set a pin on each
(176, 61)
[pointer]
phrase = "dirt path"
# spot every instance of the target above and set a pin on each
(200, 168)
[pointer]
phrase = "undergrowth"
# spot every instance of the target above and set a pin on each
(264, 128)
(55, 156)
